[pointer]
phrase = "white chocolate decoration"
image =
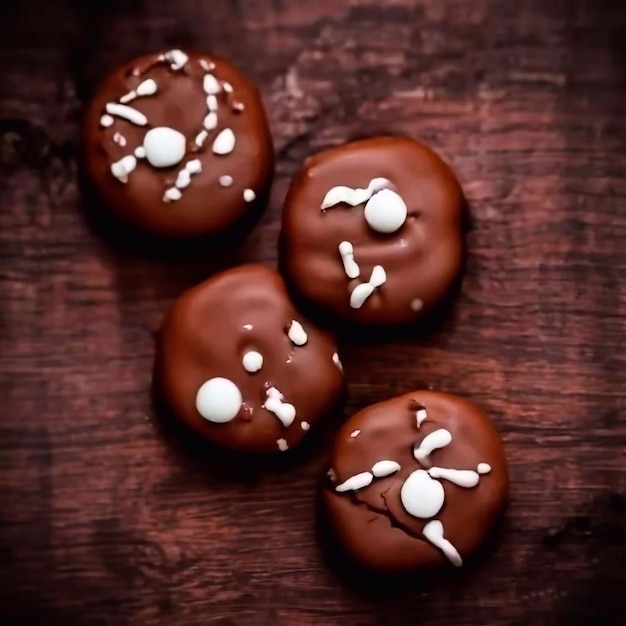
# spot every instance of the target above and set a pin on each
(363, 291)
(211, 85)
(462, 478)
(305, 426)
(176, 58)
(433, 441)
(385, 212)
(356, 482)
(201, 137)
(211, 103)
(228, 88)
(194, 166)
(172, 195)
(346, 251)
(249, 195)
(127, 113)
(284, 411)
(353, 197)
(119, 139)
(140, 152)
(210, 121)
(483, 468)
(106, 121)
(183, 179)
(252, 361)
(337, 362)
(355, 433)
(207, 66)
(226, 181)
(164, 146)
(433, 531)
(421, 495)
(224, 143)
(421, 415)
(297, 335)
(146, 88)
(238, 107)
(283, 446)
(219, 400)
(122, 168)
(385, 468)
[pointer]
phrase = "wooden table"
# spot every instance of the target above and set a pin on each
(106, 519)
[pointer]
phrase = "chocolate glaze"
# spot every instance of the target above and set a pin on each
(372, 524)
(422, 260)
(205, 335)
(205, 206)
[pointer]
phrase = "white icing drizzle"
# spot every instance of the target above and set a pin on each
(228, 88)
(106, 121)
(282, 444)
(461, 478)
(356, 482)
(211, 85)
(252, 361)
(350, 266)
(172, 195)
(122, 168)
(176, 58)
(226, 181)
(385, 212)
(385, 468)
(355, 433)
(337, 362)
(127, 113)
(284, 411)
(146, 88)
(483, 468)
(201, 137)
(119, 139)
(183, 179)
(297, 335)
(363, 291)
(421, 415)
(433, 531)
(249, 195)
(433, 441)
(353, 197)
(305, 426)
(224, 143)
(421, 495)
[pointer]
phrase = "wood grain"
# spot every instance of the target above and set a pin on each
(105, 518)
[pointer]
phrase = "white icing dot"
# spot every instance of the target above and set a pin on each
(305, 425)
(483, 468)
(210, 121)
(385, 468)
(248, 326)
(122, 168)
(119, 139)
(226, 181)
(207, 66)
(228, 88)
(284, 411)
(201, 137)
(337, 361)
(249, 195)
(176, 58)
(355, 433)
(238, 107)
(211, 85)
(225, 142)
(106, 121)
(219, 400)
(172, 194)
(146, 88)
(283, 446)
(183, 179)
(417, 304)
(297, 335)
(164, 146)
(140, 152)
(421, 495)
(211, 103)
(385, 211)
(194, 166)
(252, 361)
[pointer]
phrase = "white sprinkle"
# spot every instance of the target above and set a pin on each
(127, 113)
(207, 66)
(483, 468)
(238, 107)
(147, 88)
(249, 195)
(228, 88)
(305, 425)
(358, 481)
(122, 168)
(284, 411)
(252, 361)
(183, 179)
(224, 143)
(211, 103)
(210, 121)
(346, 251)
(194, 166)
(248, 326)
(172, 194)
(297, 335)
(211, 85)
(282, 445)
(106, 121)
(337, 361)
(226, 181)
(119, 139)
(201, 137)
(140, 152)
(417, 304)
(176, 58)
(385, 468)
(355, 433)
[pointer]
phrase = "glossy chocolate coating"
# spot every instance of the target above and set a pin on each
(422, 259)
(205, 335)
(372, 523)
(205, 207)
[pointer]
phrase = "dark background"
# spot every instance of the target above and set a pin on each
(106, 519)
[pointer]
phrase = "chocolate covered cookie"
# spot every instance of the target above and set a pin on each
(372, 231)
(178, 144)
(417, 481)
(239, 364)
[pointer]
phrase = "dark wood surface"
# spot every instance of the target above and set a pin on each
(107, 519)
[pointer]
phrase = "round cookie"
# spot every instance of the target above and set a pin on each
(372, 231)
(239, 365)
(415, 482)
(178, 144)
